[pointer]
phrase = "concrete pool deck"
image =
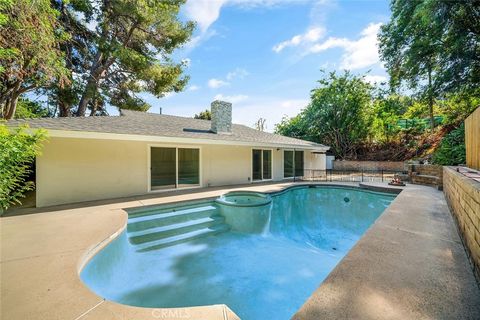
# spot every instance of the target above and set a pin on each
(410, 264)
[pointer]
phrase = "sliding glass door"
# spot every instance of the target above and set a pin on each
(261, 164)
(163, 168)
(293, 164)
(287, 164)
(188, 167)
(172, 168)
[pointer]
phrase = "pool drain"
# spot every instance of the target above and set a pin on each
(346, 199)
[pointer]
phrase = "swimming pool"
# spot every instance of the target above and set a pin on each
(263, 262)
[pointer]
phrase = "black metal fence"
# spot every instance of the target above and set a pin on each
(347, 175)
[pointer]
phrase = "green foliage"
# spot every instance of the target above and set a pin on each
(128, 52)
(18, 150)
(433, 47)
(27, 109)
(452, 148)
(456, 107)
(205, 115)
(410, 50)
(338, 114)
(29, 50)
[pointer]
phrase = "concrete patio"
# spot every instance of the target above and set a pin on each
(410, 264)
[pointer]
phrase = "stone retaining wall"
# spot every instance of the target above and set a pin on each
(463, 198)
(426, 174)
(368, 165)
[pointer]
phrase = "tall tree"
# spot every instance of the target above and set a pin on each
(410, 46)
(338, 114)
(131, 47)
(204, 115)
(29, 50)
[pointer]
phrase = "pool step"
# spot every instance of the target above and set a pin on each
(182, 238)
(174, 229)
(172, 216)
(163, 227)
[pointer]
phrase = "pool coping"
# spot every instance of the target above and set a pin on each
(31, 264)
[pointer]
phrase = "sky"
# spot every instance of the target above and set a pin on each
(265, 56)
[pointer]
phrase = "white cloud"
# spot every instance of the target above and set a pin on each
(359, 53)
(193, 88)
(375, 78)
(312, 35)
(237, 73)
(217, 83)
(232, 99)
(206, 12)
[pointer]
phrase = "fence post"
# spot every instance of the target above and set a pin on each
(382, 175)
(362, 174)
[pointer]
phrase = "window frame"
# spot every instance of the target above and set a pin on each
(293, 162)
(149, 166)
(261, 164)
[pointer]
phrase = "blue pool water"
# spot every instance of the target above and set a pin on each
(259, 275)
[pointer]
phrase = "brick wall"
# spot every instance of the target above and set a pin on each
(369, 165)
(463, 197)
(424, 173)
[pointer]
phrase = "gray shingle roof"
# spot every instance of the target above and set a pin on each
(140, 123)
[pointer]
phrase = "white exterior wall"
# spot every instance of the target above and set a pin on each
(315, 161)
(74, 169)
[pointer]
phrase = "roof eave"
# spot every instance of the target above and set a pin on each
(168, 139)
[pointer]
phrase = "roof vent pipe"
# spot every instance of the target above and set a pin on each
(221, 112)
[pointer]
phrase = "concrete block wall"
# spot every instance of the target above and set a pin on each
(463, 198)
(368, 165)
(426, 174)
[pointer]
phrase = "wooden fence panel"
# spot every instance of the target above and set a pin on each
(472, 139)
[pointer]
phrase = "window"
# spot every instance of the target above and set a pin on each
(287, 164)
(292, 163)
(174, 168)
(163, 168)
(298, 163)
(188, 167)
(261, 164)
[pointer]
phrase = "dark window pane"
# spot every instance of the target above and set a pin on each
(299, 163)
(163, 168)
(267, 164)
(287, 164)
(257, 164)
(188, 167)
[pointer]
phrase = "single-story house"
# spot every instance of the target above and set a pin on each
(91, 158)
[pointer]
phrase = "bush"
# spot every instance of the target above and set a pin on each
(452, 148)
(18, 149)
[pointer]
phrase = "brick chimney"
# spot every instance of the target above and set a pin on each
(221, 117)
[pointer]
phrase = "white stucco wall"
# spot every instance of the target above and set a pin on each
(74, 170)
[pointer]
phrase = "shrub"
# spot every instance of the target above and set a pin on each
(452, 148)
(18, 149)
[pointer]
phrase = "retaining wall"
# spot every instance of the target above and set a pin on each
(368, 165)
(463, 198)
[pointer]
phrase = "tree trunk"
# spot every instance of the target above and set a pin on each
(12, 106)
(430, 99)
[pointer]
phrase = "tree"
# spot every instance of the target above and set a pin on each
(260, 124)
(459, 56)
(410, 46)
(452, 148)
(339, 114)
(130, 50)
(205, 115)
(29, 50)
(28, 109)
(19, 149)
